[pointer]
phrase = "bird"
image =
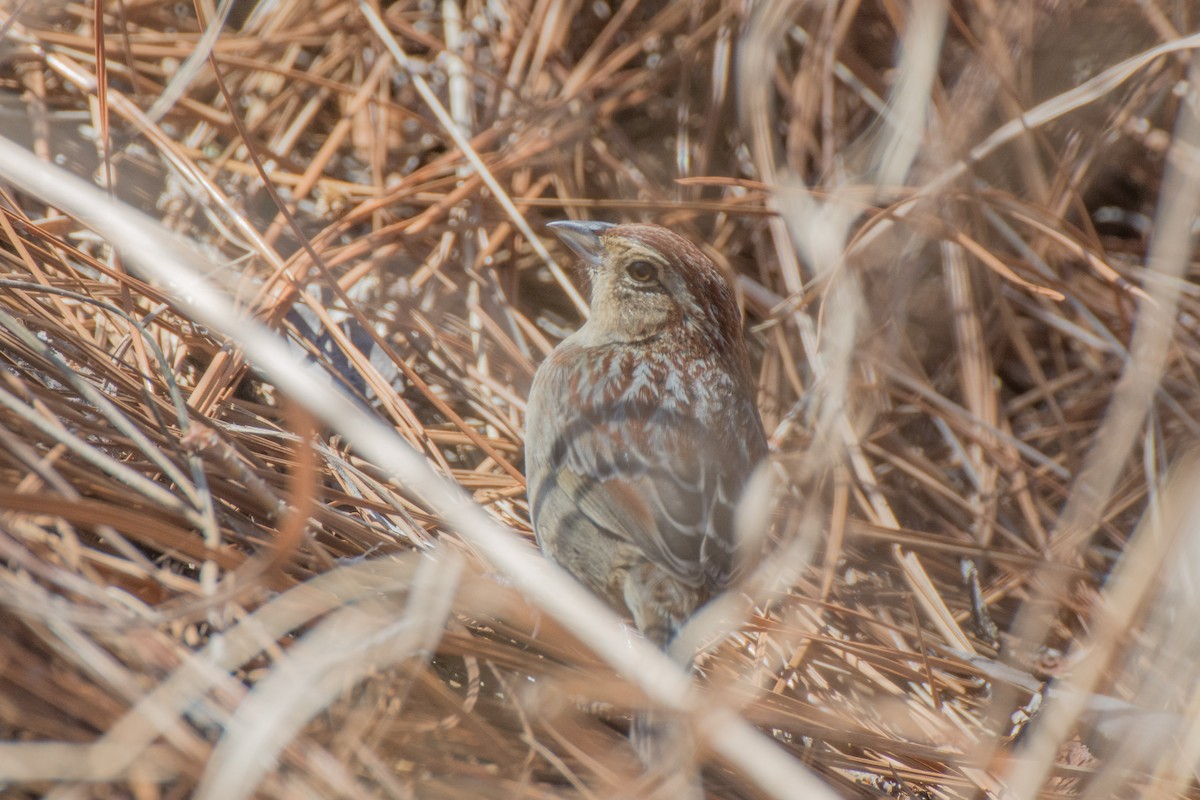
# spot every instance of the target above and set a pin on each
(642, 432)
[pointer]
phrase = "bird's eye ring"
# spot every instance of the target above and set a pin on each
(641, 271)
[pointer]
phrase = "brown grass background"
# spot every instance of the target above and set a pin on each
(962, 234)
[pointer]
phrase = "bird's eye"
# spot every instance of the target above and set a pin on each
(641, 271)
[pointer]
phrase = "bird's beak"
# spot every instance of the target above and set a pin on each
(583, 237)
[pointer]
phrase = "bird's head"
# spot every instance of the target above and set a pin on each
(649, 284)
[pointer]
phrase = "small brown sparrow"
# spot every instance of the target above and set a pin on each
(642, 428)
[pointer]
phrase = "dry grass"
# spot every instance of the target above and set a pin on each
(964, 241)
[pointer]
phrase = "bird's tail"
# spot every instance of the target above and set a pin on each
(662, 743)
(657, 739)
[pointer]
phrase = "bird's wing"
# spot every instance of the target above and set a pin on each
(657, 480)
